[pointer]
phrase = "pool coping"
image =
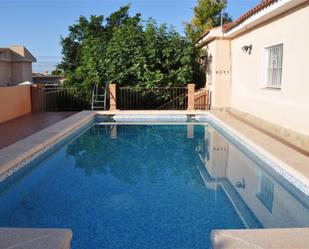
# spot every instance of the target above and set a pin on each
(287, 238)
(19, 154)
(35, 238)
(287, 162)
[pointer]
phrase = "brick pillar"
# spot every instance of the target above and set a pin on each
(191, 91)
(112, 97)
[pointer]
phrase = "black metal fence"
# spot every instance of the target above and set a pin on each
(57, 98)
(49, 99)
(158, 98)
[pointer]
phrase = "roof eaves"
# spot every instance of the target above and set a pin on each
(227, 27)
(206, 32)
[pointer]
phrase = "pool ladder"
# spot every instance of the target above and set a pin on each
(99, 97)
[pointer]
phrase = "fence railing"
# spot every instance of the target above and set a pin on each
(202, 100)
(55, 98)
(49, 99)
(162, 98)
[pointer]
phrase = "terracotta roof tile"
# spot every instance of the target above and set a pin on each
(256, 9)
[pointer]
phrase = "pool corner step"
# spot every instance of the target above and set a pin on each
(286, 238)
(29, 238)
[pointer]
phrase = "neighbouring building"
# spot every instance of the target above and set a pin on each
(43, 79)
(257, 68)
(15, 65)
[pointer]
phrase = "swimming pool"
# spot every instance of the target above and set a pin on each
(150, 186)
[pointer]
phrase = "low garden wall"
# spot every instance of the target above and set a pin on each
(15, 101)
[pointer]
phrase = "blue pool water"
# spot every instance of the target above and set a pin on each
(149, 186)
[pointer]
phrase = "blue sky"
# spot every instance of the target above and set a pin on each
(38, 24)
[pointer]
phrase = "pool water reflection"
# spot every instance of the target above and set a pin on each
(150, 186)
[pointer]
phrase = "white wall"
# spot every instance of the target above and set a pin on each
(219, 86)
(288, 107)
(211, 74)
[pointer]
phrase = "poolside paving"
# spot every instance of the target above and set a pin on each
(292, 238)
(291, 161)
(28, 238)
(19, 128)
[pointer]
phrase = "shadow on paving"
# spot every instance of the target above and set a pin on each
(19, 128)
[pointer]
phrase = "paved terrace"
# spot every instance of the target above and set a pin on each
(19, 128)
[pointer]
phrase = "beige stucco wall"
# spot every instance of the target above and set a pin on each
(219, 85)
(14, 102)
(5, 73)
(21, 72)
(288, 107)
(15, 73)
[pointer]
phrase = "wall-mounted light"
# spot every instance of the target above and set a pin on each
(247, 49)
(241, 184)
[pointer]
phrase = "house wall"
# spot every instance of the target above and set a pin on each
(5, 73)
(288, 107)
(218, 83)
(14, 101)
(211, 67)
(21, 72)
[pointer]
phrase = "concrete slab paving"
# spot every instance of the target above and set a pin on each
(28, 238)
(19, 128)
(15, 156)
(289, 160)
(291, 238)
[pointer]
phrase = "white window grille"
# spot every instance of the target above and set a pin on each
(274, 56)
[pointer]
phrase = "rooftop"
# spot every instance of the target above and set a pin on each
(16, 53)
(256, 9)
(264, 11)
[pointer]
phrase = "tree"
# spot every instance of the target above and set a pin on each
(56, 72)
(207, 14)
(126, 50)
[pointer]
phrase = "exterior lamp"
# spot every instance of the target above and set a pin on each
(247, 49)
(241, 184)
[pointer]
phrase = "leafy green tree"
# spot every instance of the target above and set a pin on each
(126, 50)
(56, 72)
(207, 14)
(125, 56)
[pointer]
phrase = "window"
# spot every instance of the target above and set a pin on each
(266, 192)
(274, 55)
